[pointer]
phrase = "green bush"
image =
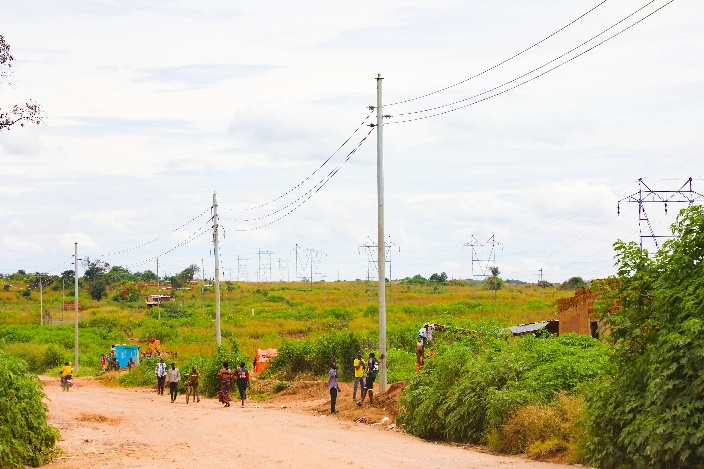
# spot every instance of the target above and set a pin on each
(25, 436)
(471, 386)
(648, 412)
(314, 356)
(53, 357)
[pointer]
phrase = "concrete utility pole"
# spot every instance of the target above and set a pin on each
(380, 233)
(63, 301)
(75, 304)
(41, 303)
(158, 294)
(218, 338)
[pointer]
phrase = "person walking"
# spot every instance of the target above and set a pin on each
(358, 365)
(173, 376)
(242, 381)
(333, 387)
(160, 372)
(372, 370)
(194, 383)
(225, 375)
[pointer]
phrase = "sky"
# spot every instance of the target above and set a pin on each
(491, 156)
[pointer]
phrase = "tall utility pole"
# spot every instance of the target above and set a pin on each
(380, 233)
(242, 269)
(218, 338)
(63, 301)
(158, 294)
(41, 303)
(75, 304)
(267, 265)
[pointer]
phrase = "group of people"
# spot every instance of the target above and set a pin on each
(109, 362)
(364, 377)
(172, 376)
(227, 376)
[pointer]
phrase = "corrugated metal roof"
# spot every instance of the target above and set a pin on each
(529, 328)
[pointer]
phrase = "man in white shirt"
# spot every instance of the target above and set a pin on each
(173, 376)
(160, 372)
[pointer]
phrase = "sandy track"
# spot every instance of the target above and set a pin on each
(105, 427)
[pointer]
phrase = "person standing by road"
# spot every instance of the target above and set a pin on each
(194, 383)
(358, 376)
(333, 386)
(160, 372)
(103, 362)
(173, 376)
(372, 370)
(225, 375)
(242, 381)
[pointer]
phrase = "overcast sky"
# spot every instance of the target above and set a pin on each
(151, 107)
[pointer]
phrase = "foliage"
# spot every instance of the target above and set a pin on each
(471, 386)
(574, 283)
(25, 436)
(648, 412)
(493, 282)
(442, 278)
(314, 357)
(539, 429)
(142, 374)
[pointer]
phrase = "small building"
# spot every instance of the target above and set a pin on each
(157, 300)
(123, 353)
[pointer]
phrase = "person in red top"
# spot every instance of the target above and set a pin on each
(242, 381)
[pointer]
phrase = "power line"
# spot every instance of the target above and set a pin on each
(313, 173)
(302, 199)
(503, 62)
(528, 73)
(533, 78)
(160, 237)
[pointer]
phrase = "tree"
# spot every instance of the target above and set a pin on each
(95, 276)
(442, 278)
(574, 283)
(493, 282)
(648, 412)
(189, 272)
(18, 113)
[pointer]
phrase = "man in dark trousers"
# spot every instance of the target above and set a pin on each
(372, 370)
(160, 372)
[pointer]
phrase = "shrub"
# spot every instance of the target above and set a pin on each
(53, 357)
(648, 413)
(540, 429)
(470, 388)
(25, 436)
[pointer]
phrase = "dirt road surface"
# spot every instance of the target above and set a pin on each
(107, 427)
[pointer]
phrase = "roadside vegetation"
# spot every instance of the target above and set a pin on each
(634, 399)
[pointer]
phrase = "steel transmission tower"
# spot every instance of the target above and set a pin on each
(267, 265)
(646, 195)
(483, 263)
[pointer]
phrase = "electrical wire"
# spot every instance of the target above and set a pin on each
(303, 198)
(195, 235)
(527, 73)
(503, 62)
(314, 172)
(160, 237)
(535, 77)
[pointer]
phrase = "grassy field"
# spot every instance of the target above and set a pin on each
(258, 315)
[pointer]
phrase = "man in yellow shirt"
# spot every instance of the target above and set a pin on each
(358, 376)
(65, 371)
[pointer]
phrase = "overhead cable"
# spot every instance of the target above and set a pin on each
(160, 237)
(503, 62)
(313, 173)
(535, 77)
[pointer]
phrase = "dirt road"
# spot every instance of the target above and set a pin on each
(105, 427)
